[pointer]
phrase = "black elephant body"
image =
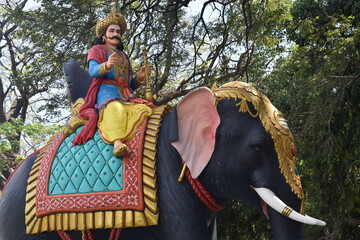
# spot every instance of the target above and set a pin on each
(244, 158)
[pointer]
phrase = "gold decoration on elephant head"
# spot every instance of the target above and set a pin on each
(115, 17)
(273, 122)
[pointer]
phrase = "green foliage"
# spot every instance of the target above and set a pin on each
(34, 136)
(239, 220)
(317, 87)
(8, 130)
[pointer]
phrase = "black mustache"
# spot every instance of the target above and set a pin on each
(113, 37)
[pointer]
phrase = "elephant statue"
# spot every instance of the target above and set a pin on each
(232, 141)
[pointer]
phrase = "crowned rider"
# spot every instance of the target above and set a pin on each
(109, 103)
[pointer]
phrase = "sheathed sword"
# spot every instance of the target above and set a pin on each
(148, 92)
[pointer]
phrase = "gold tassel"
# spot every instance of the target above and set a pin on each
(181, 177)
(243, 106)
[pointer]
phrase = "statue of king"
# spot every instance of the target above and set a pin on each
(109, 104)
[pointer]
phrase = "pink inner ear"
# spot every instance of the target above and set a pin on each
(197, 123)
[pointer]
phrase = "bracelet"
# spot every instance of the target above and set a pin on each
(140, 82)
(103, 69)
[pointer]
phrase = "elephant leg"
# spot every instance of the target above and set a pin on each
(12, 207)
(143, 233)
(182, 214)
(12, 203)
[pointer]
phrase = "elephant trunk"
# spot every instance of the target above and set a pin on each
(284, 228)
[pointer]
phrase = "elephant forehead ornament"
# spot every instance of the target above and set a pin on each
(273, 122)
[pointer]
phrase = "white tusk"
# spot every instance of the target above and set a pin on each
(274, 202)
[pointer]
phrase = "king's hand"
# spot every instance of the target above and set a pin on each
(144, 73)
(112, 60)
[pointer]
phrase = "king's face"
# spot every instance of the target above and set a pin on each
(112, 35)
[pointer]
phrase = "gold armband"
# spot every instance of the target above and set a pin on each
(138, 83)
(103, 69)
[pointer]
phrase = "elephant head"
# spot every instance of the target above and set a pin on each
(239, 145)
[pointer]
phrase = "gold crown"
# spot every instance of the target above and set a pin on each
(114, 17)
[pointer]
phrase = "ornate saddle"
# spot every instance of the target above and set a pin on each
(86, 187)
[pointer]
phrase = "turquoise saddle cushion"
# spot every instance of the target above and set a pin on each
(86, 168)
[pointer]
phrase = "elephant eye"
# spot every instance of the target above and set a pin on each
(260, 143)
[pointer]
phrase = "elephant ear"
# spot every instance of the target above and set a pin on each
(198, 120)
